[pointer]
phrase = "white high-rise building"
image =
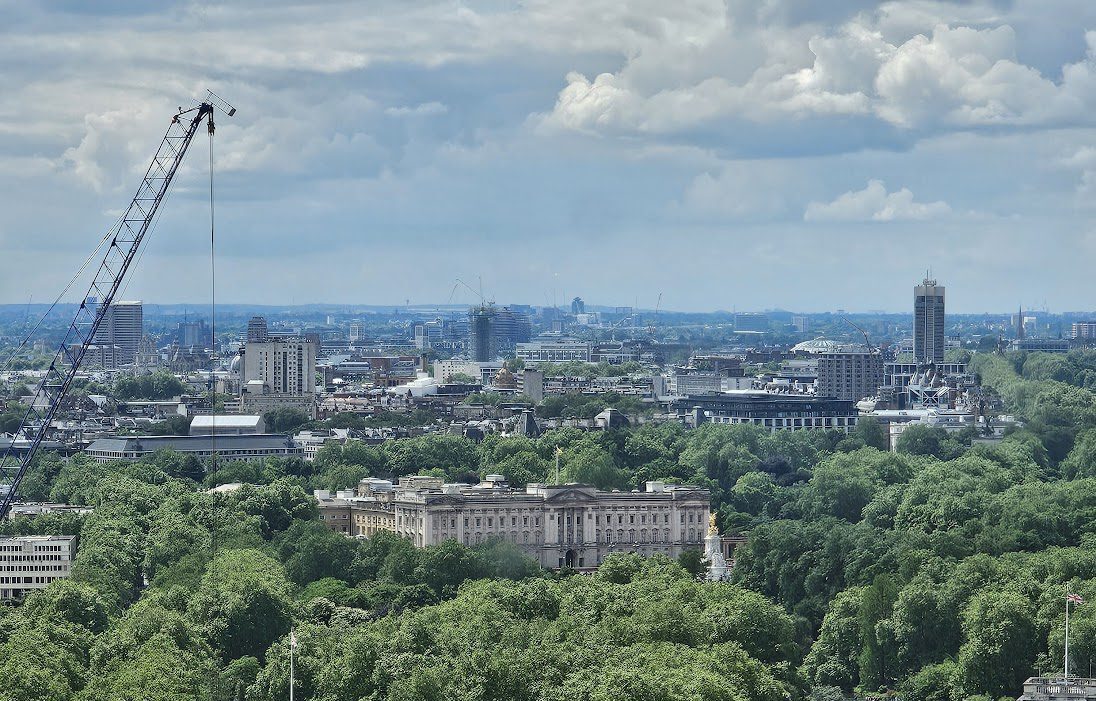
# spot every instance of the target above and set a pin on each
(277, 373)
(119, 335)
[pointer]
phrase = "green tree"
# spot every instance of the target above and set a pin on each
(834, 658)
(310, 551)
(592, 464)
(871, 433)
(877, 654)
(693, 562)
(1000, 646)
(243, 604)
(276, 505)
(71, 602)
(285, 420)
(445, 566)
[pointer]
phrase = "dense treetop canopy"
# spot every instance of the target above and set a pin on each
(934, 572)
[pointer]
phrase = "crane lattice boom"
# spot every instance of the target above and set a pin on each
(125, 240)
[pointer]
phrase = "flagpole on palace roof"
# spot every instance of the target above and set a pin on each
(1070, 599)
(293, 649)
(1067, 634)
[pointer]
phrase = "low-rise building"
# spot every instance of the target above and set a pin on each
(311, 442)
(1057, 688)
(246, 447)
(681, 383)
(32, 562)
(772, 411)
(226, 425)
(554, 351)
(1040, 345)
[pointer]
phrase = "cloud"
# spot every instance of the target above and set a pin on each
(874, 203)
(420, 110)
(468, 136)
(941, 77)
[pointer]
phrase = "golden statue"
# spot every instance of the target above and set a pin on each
(712, 530)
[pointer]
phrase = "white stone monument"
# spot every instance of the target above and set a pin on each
(713, 551)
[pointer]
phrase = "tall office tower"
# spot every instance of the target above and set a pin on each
(850, 373)
(257, 330)
(121, 331)
(928, 322)
(578, 306)
(357, 332)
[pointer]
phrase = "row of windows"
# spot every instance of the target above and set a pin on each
(37, 548)
(788, 422)
(692, 516)
(28, 580)
(36, 568)
(608, 536)
(31, 558)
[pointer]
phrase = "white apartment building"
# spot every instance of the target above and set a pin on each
(119, 334)
(32, 562)
(483, 373)
(554, 351)
(277, 373)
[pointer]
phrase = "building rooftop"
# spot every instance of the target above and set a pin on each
(225, 421)
(152, 443)
(37, 538)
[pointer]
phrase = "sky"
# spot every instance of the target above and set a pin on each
(726, 154)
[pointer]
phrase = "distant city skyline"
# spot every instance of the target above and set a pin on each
(804, 156)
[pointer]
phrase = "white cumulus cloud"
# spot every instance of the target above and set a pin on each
(942, 76)
(874, 203)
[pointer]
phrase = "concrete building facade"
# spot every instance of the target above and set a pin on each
(120, 333)
(850, 374)
(1084, 330)
(774, 412)
(928, 322)
(554, 351)
(32, 562)
(227, 447)
(278, 373)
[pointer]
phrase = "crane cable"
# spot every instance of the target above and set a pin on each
(213, 344)
(72, 281)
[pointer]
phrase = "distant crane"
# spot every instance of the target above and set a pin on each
(478, 293)
(867, 339)
(654, 319)
(125, 239)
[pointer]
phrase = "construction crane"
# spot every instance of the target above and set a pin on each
(125, 238)
(654, 319)
(867, 338)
